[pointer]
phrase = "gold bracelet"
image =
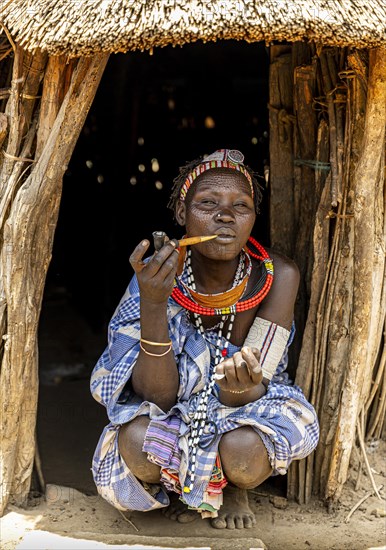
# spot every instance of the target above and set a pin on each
(156, 354)
(156, 343)
(236, 391)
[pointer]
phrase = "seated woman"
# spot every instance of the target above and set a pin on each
(193, 375)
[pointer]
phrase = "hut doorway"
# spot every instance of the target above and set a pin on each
(151, 114)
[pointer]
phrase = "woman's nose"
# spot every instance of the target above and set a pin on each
(225, 215)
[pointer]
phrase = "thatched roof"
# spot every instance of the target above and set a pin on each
(84, 27)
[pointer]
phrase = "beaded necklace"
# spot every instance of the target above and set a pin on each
(229, 297)
(264, 284)
(240, 304)
(200, 415)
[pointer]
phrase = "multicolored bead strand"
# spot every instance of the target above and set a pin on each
(200, 416)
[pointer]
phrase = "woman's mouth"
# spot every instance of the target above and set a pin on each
(225, 236)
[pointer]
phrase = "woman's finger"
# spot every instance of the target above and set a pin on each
(170, 276)
(168, 269)
(252, 356)
(241, 369)
(163, 260)
(136, 258)
(223, 369)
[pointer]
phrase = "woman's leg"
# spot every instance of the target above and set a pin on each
(244, 458)
(245, 462)
(130, 442)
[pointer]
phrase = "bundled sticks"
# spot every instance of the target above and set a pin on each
(342, 360)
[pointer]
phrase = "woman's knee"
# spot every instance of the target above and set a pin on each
(244, 458)
(130, 442)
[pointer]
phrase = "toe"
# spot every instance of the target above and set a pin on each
(187, 516)
(219, 523)
(231, 522)
(248, 523)
(170, 512)
(239, 523)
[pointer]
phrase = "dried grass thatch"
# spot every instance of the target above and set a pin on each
(85, 27)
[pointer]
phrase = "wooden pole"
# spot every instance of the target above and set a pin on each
(366, 183)
(335, 315)
(281, 120)
(305, 203)
(25, 256)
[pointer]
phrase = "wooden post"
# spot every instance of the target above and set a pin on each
(281, 120)
(366, 184)
(304, 190)
(24, 259)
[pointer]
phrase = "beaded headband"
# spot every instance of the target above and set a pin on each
(222, 158)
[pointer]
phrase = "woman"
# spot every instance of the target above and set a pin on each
(193, 375)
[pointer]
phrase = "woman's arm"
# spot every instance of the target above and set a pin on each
(155, 375)
(242, 372)
(278, 306)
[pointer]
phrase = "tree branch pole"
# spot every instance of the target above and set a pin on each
(281, 178)
(25, 258)
(369, 162)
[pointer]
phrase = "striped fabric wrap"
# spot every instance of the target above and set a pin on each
(285, 421)
(223, 158)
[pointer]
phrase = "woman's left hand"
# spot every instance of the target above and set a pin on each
(240, 373)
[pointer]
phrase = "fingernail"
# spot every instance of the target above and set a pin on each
(242, 364)
(218, 376)
(144, 243)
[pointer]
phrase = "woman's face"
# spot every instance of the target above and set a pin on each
(219, 203)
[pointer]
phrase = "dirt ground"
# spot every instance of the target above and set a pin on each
(72, 516)
(281, 525)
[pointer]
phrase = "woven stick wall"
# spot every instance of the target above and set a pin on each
(331, 127)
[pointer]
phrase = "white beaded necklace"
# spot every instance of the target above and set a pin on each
(200, 416)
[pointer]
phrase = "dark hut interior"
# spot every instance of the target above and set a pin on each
(151, 114)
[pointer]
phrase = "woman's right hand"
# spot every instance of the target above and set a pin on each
(155, 277)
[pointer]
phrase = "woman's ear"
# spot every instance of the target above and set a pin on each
(181, 213)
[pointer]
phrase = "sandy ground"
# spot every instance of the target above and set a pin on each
(85, 521)
(73, 509)
(72, 516)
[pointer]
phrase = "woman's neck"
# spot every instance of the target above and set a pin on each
(213, 276)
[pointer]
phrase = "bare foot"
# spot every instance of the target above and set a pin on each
(235, 513)
(178, 511)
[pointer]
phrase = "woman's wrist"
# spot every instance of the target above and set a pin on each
(148, 304)
(154, 322)
(237, 398)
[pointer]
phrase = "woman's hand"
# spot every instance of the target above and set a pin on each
(240, 373)
(155, 277)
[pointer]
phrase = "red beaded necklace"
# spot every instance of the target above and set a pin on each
(240, 305)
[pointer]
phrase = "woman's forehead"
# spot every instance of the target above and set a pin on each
(221, 178)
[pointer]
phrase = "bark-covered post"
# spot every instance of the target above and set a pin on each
(27, 236)
(281, 178)
(367, 182)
